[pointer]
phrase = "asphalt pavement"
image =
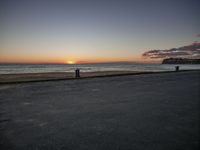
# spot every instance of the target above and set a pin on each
(136, 112)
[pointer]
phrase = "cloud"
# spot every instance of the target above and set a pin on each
(189, 51)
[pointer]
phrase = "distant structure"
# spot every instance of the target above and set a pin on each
(180, 61)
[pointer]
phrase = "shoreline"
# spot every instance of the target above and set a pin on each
(56, 76)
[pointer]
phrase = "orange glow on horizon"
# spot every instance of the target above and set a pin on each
(71, 62)
(70, 59)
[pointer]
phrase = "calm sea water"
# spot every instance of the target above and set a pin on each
(9, 69)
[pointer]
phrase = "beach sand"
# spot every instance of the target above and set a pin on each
(54, 76)
(148, 111)
(30, 77)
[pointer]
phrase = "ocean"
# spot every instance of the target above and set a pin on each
(25, 68)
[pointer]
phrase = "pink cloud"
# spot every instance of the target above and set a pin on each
(189, 51)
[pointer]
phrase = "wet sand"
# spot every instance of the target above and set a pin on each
(148, 111)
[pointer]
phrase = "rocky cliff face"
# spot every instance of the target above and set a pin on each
(180, 61)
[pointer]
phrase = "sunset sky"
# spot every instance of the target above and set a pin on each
(90, 31)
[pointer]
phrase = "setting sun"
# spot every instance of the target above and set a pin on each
(70, 62)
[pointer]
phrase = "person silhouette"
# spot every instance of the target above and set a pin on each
(77, 73)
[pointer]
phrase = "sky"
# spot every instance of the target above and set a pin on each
(91, 31)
